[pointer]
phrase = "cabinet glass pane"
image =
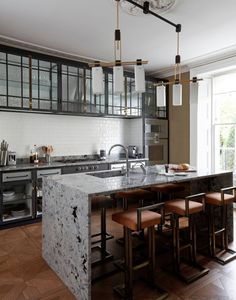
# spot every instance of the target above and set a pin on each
(14, 59)
(73, 89)
(14, 80)
(3, 57)
(35, 85)
(64, 88)
(44, 81)
(3, 83)
(25, 82)
(44, 65)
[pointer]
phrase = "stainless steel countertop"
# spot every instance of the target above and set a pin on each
(21, 167)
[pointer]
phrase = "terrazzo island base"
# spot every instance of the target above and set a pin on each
(67, 210)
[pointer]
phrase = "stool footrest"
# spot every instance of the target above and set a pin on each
(120, 264)
(219, 231)
(104, 256)
(108, 237)
(201, 272)
(229, 258)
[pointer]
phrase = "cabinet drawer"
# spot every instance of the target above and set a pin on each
(16, 176)
(50, 172)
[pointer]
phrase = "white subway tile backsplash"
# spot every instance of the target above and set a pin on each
(69, 135)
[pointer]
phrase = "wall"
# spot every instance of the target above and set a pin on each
(179, 127)
(69, 135)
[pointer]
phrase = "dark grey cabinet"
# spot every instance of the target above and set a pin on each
(128, 104)
(39, 83)
(77, 96)
(17, 197)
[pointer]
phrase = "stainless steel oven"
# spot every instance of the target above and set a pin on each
(156, 141)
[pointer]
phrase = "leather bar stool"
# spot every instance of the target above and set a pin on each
(140, 195)
(102, 202)
(187, 207)
(168, 189)
(138, 219)
(220, 200)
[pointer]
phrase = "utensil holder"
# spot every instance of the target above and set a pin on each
(48, 158)
(3, 157)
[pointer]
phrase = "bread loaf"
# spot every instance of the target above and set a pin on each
(183, 167)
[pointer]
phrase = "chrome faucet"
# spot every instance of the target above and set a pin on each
(126, 155)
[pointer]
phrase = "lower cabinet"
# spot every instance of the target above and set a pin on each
(38, 187)
(17, 197)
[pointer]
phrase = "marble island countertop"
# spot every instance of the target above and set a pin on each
(90, 184)
(66, 221)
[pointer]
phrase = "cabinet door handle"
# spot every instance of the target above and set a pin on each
(13, 177)
(47, 174)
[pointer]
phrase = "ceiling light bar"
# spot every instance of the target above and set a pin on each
(177, 83)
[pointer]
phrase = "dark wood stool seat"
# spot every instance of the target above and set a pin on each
(167, 188)
(220, 200)
(138, 219)
(179, 208)
(134, 194)
(102, 202)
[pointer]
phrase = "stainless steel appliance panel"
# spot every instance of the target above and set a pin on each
(156, 126)
(158, 153)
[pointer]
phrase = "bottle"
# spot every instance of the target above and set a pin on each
(36, 160)
(31, 157)
(35, 155)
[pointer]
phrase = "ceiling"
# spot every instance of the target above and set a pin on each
(86, 28)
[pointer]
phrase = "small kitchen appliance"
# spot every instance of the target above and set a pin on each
(133, 151)
(102, 155)
(11, 158)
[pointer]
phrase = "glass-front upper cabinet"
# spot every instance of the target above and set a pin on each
(44, 85)
(77, 96)
(151, 109)
(27, 83)
(14, 81)
(128, 103)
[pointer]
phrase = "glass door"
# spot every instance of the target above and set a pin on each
(16, 196)
(38, 187)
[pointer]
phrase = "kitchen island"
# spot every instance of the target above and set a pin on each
(67, 216)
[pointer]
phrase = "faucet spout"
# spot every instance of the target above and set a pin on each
(126, 155)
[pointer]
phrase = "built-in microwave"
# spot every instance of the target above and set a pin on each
(156, 141)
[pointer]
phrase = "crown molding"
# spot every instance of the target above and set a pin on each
(7, 41)
(209, 58)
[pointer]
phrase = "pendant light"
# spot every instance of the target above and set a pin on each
(160, 95)
(117, 65)
(97, 80)
(139, 75)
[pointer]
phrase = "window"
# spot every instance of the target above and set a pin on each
(224, 121)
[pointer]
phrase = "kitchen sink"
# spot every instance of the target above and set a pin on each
(108, 174)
